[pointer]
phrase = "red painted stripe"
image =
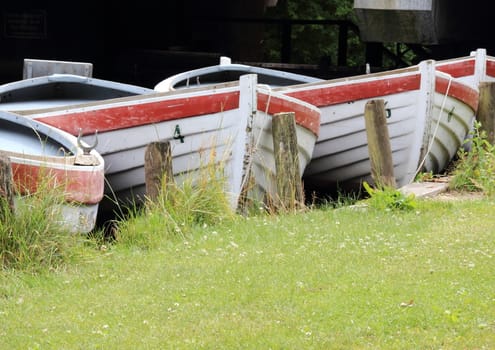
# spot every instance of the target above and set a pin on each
(78, 186)
(132, 114)
(458, 69)
(306, 117)
(458, 90)
(490, 68)
(333, 95)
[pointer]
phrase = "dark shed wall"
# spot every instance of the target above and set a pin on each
(112, 34)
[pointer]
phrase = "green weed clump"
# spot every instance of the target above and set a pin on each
(32, 236)
(474, 169)
(388, 198)
(199, 200)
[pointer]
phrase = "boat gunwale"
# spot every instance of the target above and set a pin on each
(169, 84)
(127, 99)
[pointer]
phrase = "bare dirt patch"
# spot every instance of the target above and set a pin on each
(458, 195)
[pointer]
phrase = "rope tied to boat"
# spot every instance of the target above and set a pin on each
(433, 135)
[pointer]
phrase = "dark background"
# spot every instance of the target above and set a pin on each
(144, 42)
(129, 42)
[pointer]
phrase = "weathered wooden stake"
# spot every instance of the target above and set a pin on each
(288, 177)
(6, 186)
(157, 167)
(486, 109)
(380, 151)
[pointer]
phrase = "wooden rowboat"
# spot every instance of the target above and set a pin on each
(198, 122)
(429, 115)
(60, 90)
(43, 155)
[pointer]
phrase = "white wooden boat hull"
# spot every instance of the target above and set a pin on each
(43, 154)
(307, 128)
(340, 158)
(473, 69)
(453, 114)
(197, 122)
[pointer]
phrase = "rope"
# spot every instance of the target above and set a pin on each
(436, 129)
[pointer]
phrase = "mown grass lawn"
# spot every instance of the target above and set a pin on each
(346, 278)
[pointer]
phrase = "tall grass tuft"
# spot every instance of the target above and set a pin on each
(32, 237)
(474, 169)
(199, 199)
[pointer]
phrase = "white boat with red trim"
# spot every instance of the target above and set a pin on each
(429, 115)
(198, 122)
(41, 155)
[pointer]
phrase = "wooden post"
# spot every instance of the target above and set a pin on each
(157, 167)
(6, 186)
(288, 177)
(486, 109)
(380, 151)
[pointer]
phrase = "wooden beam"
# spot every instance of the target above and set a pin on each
(486, 109)
(6, 186)
(157, 167)
(288, 177)
(380, 151)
